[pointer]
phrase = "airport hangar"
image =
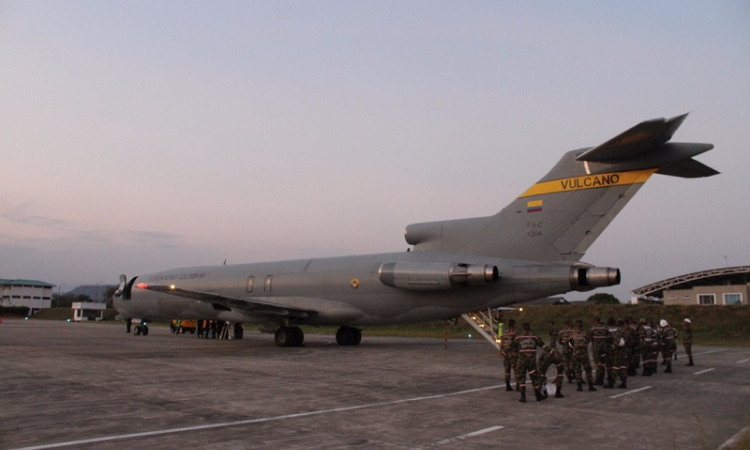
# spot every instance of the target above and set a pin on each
(723, 286)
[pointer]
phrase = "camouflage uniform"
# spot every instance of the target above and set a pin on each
(634, 356)
(649, 348)
(567, 351)
(525, 343)
(580, 342)
(510, 356)
(687, 341)
(668, 345)
(600, 348)
(552, 357)
(622, 347)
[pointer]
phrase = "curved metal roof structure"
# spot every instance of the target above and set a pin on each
(726, 275)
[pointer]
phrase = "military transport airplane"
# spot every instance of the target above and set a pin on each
(530, 249)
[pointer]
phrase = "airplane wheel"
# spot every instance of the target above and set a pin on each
(238, 331)
(299, 336)
(348, 336)
(137, 330)
(284, 337)
(145, 330)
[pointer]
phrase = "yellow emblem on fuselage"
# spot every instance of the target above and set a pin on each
(355, 283)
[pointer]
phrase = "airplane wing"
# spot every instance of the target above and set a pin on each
(249, 306)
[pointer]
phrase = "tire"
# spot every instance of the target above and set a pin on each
(344, 336)
(137, 330)
(284, 337)
(145, 330)
(239, 331)
(299, 336)
(348, 336)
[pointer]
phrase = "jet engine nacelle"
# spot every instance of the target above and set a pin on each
(430, 276)
(550, 279)
(588, 278)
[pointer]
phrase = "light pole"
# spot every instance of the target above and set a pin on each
(59, 286)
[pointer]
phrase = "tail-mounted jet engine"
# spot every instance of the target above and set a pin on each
(436, 276)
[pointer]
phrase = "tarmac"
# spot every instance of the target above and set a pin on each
(92, 386)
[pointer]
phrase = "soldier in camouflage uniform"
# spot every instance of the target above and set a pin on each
(510, 357)
(567, 351)
(579, 340)
(611, 331)
(649, 347)
(525, 343)
(622, 348)
(687, 340)
(600, 348)
(552, 357)
(668, 343)
(634, 352)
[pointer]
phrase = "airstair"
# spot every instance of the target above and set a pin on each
(485, 324)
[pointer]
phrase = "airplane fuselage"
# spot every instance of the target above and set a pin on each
(344, 290)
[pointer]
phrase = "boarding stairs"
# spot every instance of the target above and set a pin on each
(485, 324)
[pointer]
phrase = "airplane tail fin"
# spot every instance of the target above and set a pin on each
(560, 216)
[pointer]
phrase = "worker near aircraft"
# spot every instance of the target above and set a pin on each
(510, 356)
(526, 343)
(687, 340)
(579, 340)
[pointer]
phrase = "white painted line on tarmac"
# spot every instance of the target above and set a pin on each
(734, 440)
(743, 361)
(250, 421)
(468, 435)
(631, 392)
(704, 371)
(706, 353)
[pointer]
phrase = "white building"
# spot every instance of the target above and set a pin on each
(32, 294)
(88, 311)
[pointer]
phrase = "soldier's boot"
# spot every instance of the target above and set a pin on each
(691, 361)
(669, 367)
(539, 396)
(580, 387)
(558, 391)
(523, 395)
(592, 388)
(622, 385)
(610, 383)
(508, 386)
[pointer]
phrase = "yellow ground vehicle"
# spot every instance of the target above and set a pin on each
(183, 326)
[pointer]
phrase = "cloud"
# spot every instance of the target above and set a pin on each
(18, 215)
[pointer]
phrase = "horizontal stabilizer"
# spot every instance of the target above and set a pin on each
(688, 168)
(638, 140)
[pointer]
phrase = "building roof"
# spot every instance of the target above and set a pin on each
(723, 276)
(34, 283)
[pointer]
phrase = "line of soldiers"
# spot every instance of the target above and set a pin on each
(617, 348)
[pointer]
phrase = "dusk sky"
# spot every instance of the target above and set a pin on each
(144, 135)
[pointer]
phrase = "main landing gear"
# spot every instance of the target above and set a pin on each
(289, 337)
(348, 336)
(141, 329)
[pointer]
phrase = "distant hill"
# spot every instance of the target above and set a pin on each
(94, 292)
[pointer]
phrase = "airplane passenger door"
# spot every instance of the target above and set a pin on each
(267, 284)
